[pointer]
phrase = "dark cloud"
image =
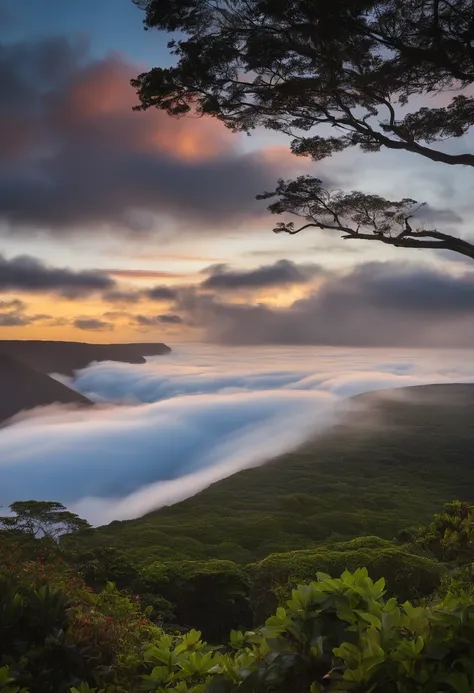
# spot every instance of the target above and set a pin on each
(280, 273)
(170, 319)
(144, 320)
(161, 293)
(13, 304)
(116, 314)
(156, 293)
(13, 314)
(73, 154)
(376, 304)
(92, 324)
(26, 273)
(153, 320)
(118, 296)
(394, 287)
(13, 320)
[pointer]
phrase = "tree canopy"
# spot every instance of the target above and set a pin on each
(42, 519)
(332, 74)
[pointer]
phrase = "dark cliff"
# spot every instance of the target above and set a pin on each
(66, 357)
(21, 388)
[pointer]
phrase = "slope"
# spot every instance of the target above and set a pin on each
(393, 461)
(21, 387)
(65, 357)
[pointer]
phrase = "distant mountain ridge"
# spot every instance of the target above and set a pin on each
(21, 388)
(66, 357)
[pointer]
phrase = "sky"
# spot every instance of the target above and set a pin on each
(163, 431)
(118, 225)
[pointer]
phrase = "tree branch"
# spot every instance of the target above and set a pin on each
(407, 239)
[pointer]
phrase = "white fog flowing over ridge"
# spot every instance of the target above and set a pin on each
(164, 430)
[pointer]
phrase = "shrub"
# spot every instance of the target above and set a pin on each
(211, 595)
(55, 632)
(450, 536)
(407, 575)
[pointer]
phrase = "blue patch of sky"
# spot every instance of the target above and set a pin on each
(110, 25)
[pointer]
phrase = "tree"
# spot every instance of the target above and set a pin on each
(42, 519)
(332, 74)
(450, 536)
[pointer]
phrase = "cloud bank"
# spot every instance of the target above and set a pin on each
(73, 154)
(115, 454)
(165, 430)
(380, 304)
(27, 273)
(281, 273)
(375, 304)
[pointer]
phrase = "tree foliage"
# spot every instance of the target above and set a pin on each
(450, 536)
(333, 634)
(46, 519)
(332, 74)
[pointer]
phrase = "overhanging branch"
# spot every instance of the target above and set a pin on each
(413, 239)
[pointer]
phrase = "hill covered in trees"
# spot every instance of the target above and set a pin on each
(392, 462)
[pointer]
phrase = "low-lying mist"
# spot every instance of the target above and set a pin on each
(162, 431)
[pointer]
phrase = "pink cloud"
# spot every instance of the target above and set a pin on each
(101, 98)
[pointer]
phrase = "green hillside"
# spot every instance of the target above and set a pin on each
(392, 462)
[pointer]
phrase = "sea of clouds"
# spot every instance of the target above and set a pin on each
(163, 431)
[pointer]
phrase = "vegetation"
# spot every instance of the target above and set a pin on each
(334, 634)
(388, 466)
(41, 518)
(332, 75)
(149, 605)
(450, 537)
(407, 575)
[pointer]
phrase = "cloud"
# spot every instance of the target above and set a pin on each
(152, 320)
(116, 455)
(93, 324)
(14, 319)
(142, 274)
(375, 304)
(122, 296)
(156, 293)
(13, 314)
(13, 304)
(26, 273)
(434, 215)
(74, 156)
(161, 293)
(200, 369)
(186, 421)
(281, 273)
(170, 319)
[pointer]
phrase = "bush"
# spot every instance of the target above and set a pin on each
(450, 536)
(335, 634)
(211, 595)
(407, 575)
(343, 635)
(55, 632)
